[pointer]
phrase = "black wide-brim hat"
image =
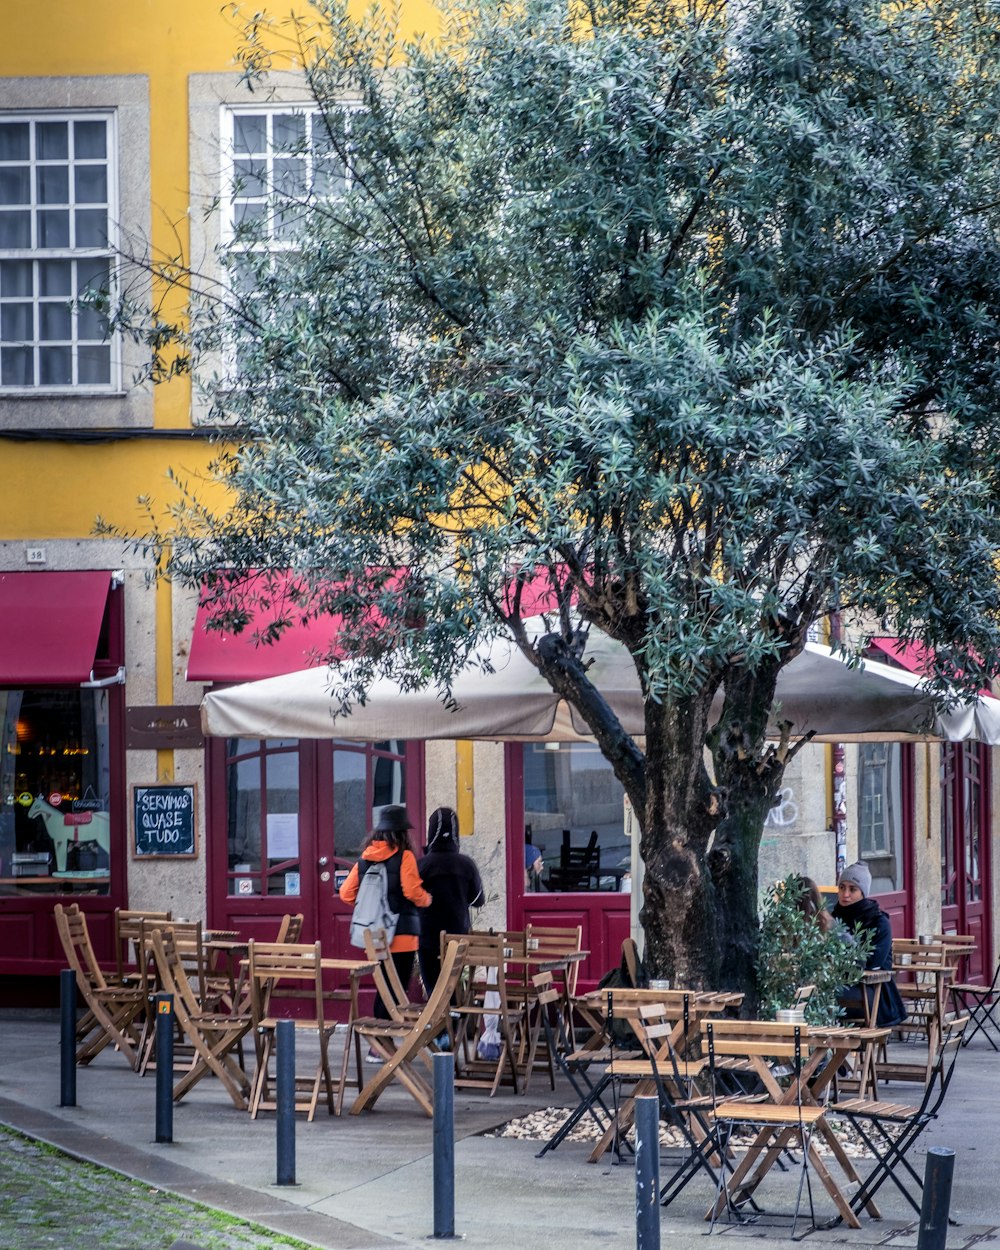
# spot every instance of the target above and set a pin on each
(393, 818)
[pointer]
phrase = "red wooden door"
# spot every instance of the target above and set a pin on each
(965, 824)
(287, 819)
(551, 791)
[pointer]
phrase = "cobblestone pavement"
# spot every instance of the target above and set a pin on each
(50, 1201)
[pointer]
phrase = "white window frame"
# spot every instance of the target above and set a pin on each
(77, 256)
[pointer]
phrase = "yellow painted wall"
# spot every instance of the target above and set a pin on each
(57, 490)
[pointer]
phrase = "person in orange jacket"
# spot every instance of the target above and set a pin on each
(389, 844)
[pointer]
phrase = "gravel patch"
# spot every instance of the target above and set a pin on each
(540, 1125)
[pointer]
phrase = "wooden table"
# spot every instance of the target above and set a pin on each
(828, 1049)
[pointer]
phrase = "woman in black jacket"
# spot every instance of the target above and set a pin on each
(857, 911)
(454, 882)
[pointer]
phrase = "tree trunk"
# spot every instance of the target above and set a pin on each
(681, 811)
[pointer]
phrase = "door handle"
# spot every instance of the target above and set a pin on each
(322, 861)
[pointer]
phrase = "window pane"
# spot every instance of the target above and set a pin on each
(53, 184)
(288, 130)
(15, 229)
(94, 366)
(91, 227)
(249, 178)
(93, 274)
(249, 218)
(90, 323)
(350, 824)
(55, 366)
(15, 277)
(55, 277)
(15, 142)
(90, 139)
(55, 322)
(15, 366)
(574, 809)
(290, 177)
(52, 141)
(53, 228)
(250, 133)
(15, 322)
(15, 185)
(91, 184)
(54, 742)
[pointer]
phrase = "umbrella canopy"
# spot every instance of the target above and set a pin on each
(816, 691)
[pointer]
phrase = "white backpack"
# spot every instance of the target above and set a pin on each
(371, 907)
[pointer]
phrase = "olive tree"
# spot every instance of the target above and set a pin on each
(684, 315)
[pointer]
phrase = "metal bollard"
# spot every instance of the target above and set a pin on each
(647, 1173)
(285, 1099)
(444, 1146)
(164, 1007)
(67, 1038)
(938, 1173)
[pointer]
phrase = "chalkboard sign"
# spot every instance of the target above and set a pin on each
(164, 821)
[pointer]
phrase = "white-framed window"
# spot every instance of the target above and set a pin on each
(278, 160)
(58, 184)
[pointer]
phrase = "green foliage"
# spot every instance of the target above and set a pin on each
(794, 951)
(688, 313)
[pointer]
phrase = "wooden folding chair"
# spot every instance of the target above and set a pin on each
(889, 1129)
(290, 929)
(128, 941)
(290, 969)
(484, 994)
(400, 1044)
(111, 1010)
(388, 986)
(213, 1036)
(553, 942)
(979, 1003)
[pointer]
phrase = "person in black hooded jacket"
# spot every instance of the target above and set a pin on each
(856, 910)
(454, 882)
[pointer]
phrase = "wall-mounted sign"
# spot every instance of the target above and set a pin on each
(163, 727)
(164, 821)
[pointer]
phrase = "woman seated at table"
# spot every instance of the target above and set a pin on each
(861, 914)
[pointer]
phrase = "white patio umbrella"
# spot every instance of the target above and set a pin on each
(816, 691)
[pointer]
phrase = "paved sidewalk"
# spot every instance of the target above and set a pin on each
(365, 1183)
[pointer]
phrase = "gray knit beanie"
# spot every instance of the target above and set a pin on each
(857, 874)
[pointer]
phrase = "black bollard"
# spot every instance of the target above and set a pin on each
(67, 1038)
(285, 1099)
(163, 1005)
(647, 1173)
(938, 1173)
(444, 1146)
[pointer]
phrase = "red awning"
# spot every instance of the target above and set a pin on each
(50, 625)
(220, 656)
(915, 657)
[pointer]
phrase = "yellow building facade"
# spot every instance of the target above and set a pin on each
(120, 131)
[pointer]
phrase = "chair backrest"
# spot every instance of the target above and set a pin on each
(802, 995)
(919, 955)
(389, 987)
(128, 936)
(71, 925)
(295, 967)
(173, 975)
(944, 1065)
(290, 929)
(758, 1041)
(189, 945)
(434, 1016)
(630, 958)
